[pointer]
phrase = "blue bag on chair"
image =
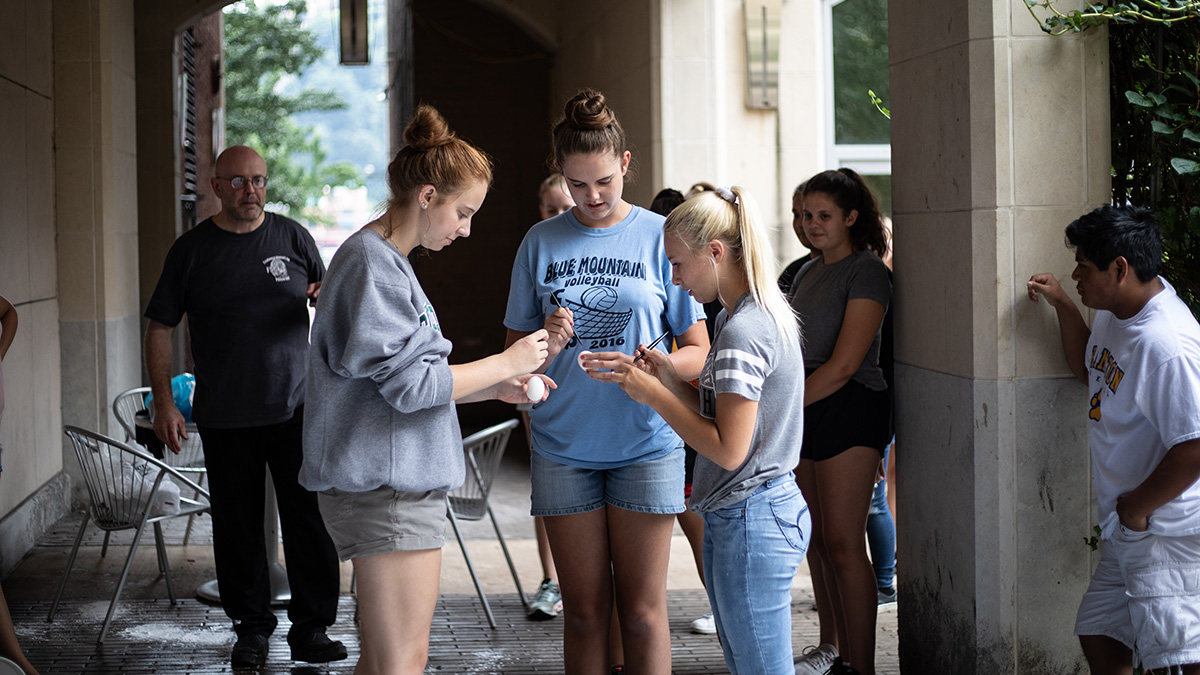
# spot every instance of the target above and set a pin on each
(183, 387)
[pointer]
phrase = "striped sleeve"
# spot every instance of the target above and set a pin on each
(736, 371)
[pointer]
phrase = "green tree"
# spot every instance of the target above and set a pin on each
(860, 63)
(263, 45)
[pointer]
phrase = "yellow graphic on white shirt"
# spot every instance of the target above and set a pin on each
(1102, 360)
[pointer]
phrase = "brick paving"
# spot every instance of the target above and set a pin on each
(150, 636)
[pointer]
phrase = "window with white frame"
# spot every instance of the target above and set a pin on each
(858, 135)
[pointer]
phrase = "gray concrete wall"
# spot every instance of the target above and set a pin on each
(95, 163)
(608, 46)
(1000, 138)
(31, 433)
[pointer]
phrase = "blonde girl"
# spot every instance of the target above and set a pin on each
(744, 420)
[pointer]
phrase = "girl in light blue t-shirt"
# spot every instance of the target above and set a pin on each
(607, 473)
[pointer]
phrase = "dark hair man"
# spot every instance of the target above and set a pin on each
(1141, 362)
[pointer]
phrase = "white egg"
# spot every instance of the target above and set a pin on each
(581, 357)
(536, 389)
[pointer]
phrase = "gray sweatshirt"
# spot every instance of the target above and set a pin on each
(377, 405)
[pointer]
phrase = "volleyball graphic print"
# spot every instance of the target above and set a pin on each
(599, 297)
(590, 286)
(594, 318)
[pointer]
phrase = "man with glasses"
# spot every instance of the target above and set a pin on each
(244, 277)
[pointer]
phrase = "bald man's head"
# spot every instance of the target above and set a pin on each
(239, 169)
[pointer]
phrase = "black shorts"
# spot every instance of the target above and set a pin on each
(849, 417)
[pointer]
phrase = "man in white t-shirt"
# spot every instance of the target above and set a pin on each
(1141, 362)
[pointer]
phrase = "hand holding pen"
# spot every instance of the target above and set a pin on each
(652, 345)
(649, 366)
(600, 365)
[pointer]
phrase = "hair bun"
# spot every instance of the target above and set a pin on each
(588, 110)
(427, 129)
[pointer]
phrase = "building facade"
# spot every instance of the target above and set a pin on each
(999, 137)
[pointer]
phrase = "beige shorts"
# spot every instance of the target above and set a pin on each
(383, 520)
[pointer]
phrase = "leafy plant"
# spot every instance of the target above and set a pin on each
(878, 103)
(1093, 542)
(264, 46)
(1099, 14)
(1154, 62)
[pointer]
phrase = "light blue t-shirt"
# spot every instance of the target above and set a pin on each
(617, 283)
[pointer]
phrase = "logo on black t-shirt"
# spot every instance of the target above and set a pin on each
(277, 267)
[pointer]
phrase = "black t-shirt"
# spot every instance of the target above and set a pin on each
(789, 273)
(244, 295)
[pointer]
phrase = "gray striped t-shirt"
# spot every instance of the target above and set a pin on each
(747, 359)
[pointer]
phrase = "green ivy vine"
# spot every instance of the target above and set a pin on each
(1099, 14)
(1154, 76)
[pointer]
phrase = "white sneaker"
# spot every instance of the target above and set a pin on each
(816, 660)
(547, 602)
(705, 625)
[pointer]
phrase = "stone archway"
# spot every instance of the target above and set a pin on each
(502, 106)
(1000, 136)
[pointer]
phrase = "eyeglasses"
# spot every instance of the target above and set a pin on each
(239, 182)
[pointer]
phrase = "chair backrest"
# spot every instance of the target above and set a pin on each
(127, 404)
(121, 480)
(126, 407)
(482, 452)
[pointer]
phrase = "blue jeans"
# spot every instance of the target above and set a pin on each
(881, 533)
(751, 551)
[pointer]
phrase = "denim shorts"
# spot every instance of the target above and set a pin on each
(1146, 594)
(383, 520)
(652, 486)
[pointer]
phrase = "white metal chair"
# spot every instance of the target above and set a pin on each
(127, 407)
(482, 452)
(117, 503)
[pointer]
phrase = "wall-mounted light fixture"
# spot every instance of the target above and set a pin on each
(762, 21)
(354, 33)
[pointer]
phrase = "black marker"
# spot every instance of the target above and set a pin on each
(652, 345)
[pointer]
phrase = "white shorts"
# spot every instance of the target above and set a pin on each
(1146, 594)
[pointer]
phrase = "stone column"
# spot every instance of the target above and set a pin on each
(1000, 138)
(96, 187)
(32, 490)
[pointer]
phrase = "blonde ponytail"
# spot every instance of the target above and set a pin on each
(760, 270)
(732, 216)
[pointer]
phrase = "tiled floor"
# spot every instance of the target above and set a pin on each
(150, 636)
